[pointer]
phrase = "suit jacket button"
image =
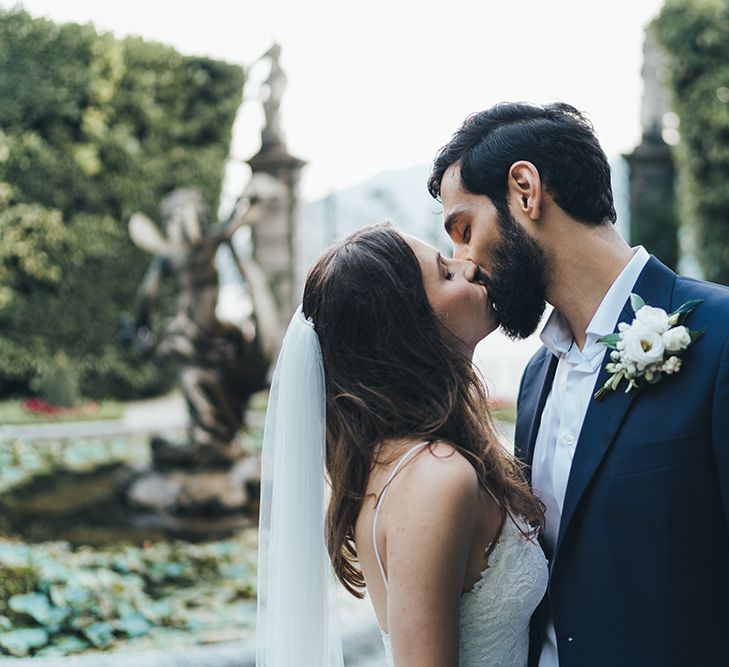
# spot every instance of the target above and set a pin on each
(569, 639)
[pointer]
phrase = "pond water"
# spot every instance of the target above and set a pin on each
(81, 572)
(69, 492)
(80, 508)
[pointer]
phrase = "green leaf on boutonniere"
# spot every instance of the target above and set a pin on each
(695, 335)
(602, 391)
(611, 340)
(678, 316)
(636, 302)
(688, 306)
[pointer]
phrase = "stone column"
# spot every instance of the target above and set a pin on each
(653, 217)
(273, 239)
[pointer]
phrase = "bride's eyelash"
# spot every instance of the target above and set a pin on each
(448, 273)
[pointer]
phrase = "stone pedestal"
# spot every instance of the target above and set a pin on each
(194, 503)
(274, 245)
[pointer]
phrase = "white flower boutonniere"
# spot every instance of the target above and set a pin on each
(650, 347)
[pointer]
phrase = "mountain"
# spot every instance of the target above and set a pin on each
(399, 196)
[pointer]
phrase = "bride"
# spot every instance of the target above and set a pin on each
(381, 469)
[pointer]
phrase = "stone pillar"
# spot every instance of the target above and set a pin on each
(653, 216)
(273, 240)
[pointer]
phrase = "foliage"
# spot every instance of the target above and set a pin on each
(58, 382)
(75, 600)
(695, 35)
(93, 129)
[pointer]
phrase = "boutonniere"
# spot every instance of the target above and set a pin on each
(648, 348)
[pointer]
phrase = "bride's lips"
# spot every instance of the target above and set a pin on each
(482, 279)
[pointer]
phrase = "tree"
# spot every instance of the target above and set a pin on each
(695, 35)
(93, 129)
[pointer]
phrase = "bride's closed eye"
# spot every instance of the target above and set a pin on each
(446, 272)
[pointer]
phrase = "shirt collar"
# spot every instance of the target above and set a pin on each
(557, 335)
(607, 314)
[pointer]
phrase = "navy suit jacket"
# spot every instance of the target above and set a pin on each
(640, 573)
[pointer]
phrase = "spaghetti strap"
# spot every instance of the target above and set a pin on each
(495, 499)
(378, 505)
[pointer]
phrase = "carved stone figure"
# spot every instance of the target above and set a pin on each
(221, 368)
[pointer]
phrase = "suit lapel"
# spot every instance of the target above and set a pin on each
(542, 385)
(603, 418)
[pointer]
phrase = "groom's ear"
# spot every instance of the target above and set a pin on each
(525, 189)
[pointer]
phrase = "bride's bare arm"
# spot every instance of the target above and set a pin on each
(429, 530)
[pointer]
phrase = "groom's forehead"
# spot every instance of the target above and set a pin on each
(453, 194)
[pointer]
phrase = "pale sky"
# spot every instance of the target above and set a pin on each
(383, 84)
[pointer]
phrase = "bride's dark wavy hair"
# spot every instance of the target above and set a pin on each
(392, 374)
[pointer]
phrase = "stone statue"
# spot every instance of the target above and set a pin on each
(272, 135)
(221, 365)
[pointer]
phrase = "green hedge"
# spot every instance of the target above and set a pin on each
(93, 129)
(695, 34)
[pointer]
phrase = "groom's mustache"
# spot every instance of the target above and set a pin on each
(482, 279)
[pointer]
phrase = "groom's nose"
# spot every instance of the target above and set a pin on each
(460, 251)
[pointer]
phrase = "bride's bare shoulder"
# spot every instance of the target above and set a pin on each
(442, 471)
(433, 510)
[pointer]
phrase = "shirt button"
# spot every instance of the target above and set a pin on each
(569, 439)
(569, 639)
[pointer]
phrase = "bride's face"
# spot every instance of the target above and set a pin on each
(460, 302)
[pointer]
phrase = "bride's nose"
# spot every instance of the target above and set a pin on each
(470, 271)
(467, 268)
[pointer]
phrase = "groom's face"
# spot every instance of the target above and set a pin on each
(514, 264)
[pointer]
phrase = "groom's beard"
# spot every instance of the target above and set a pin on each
(518, 280)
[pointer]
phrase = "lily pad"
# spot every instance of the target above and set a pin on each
(99, 634)
(37, 606)
(21, 641)
(132, 624)
(70, 595)
(71, 643)
(50, 570)
(14, 555)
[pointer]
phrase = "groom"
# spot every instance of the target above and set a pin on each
(635, 485)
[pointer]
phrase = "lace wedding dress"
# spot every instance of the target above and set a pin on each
(495, 613)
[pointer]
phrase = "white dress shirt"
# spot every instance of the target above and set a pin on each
(566, 405)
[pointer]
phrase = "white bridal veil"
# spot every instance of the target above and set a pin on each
(296, 623)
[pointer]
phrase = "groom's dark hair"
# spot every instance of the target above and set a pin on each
(557, 139)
